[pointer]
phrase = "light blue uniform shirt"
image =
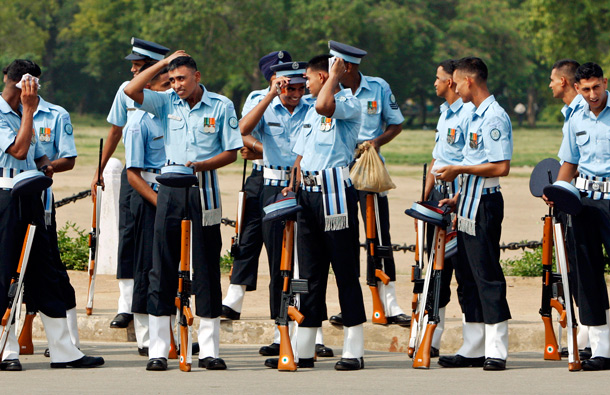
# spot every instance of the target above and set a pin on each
(587, 141)
(567, 111)
(279, 130)
(54, 130)
(122, 107)
(252, 100)
(144, 145)
(451, 133)
(189, 134)
(10, 123)
(325, 149)
(490, 135)
(378, 106)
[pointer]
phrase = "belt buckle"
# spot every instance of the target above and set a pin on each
(309, 181)
(595, 186)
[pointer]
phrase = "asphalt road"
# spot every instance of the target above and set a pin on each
(124, 372)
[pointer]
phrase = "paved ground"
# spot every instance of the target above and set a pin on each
(125, 372)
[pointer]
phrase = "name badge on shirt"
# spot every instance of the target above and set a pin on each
(371, 107)
(274, 124)
(174, 117)
(325, 124)
(474, 140)
(209, 125)
(44, 134)
(450, 136)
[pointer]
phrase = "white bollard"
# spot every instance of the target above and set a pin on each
(108, 242)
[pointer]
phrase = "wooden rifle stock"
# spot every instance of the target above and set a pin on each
(93, 235)
(16, 285)
(422, 358)
(374, 272)
(241, 208)
(551, 345)
(575, 365)
(184, 289)
(173, 350)
(26, 345)
(288, 311)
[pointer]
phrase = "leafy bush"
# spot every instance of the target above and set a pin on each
(74, 251)
(529, 265)
(226, 262)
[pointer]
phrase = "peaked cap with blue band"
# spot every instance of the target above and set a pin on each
(346, 52)
(143, 49)
(292, 70)
(272, 59)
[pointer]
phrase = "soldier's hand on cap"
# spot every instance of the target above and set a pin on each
(279, 83)
(29, 94)
(338, 68)
(175, 55)
(450, 202)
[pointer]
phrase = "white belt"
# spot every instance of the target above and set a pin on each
(592, 185)
(6, 182)
(316, 180)
(275, 174)
(491, 182)
(149, 177)
(259, 162)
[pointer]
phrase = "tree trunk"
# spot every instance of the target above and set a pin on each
(532, 106)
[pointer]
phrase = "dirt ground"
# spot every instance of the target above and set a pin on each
(522, 212)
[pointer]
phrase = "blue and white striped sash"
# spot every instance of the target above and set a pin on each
(332, 185)
(209, 194)
(471, 190)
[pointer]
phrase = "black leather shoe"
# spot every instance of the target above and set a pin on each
(400, 319)
(143, 351)
(336, 320)
(47, 353)
(84, 362)
(121, 320)
(211, 363)
(229, 313)
(596, 363)
(323, 351)
(494, 364)
(583, 353)
(11, 365)
(458, 361)
(434, 352)
(157, 364)
(350, 364)
(270, 351)
(272, 363)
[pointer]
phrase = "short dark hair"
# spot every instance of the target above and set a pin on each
(473, 65)
(567, 67)
(448, 66)
(19, 67)
(149, 65)
(588, 70)
(182, 61)
(319, 62)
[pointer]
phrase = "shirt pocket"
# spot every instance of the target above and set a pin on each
(156, 143)
(582, 138)
(273, 128)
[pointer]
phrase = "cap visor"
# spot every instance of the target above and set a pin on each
(297, 80)
(133, 56)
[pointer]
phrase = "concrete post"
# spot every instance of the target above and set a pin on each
(108, 243)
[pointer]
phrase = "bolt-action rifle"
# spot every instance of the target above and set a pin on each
(94, 234)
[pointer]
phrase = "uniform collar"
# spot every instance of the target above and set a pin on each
(567, 111)
(5, 107)
(587, 110)
(205, 98)
(43, 105)
(277, 102)
(455, 107)
(484, 106)
(364, 84)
